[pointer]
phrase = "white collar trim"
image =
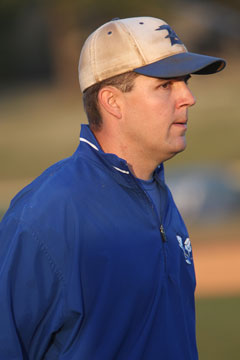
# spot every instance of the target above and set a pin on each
(89, 143)
(96, 148)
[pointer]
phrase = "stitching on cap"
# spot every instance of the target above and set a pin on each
(132, 38)
(93, 56)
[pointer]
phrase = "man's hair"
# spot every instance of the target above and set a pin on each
(123, 82)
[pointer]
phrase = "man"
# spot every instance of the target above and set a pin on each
(95, 260)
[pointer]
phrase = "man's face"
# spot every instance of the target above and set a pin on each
(155, 116)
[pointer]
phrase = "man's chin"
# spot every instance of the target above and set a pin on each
(181, 145)
(177, 150)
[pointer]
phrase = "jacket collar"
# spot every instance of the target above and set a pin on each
(89, 147)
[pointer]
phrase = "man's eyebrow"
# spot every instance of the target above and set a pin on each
(183, 78)
(177, 78)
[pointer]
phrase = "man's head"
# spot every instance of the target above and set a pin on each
(140, 45)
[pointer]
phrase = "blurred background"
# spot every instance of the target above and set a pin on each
(41, 112)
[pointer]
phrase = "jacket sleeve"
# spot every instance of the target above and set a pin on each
(31, 286)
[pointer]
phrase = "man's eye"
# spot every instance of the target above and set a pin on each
(165, 85)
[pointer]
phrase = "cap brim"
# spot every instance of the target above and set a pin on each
(183, 64)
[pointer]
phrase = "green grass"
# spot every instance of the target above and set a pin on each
(218, 328)
(38, 126)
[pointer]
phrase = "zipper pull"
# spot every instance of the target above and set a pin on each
(163, 234)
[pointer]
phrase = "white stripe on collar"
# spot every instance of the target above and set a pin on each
(95, 147)
(89, 143)
(123, 171)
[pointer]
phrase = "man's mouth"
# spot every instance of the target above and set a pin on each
(182, 124)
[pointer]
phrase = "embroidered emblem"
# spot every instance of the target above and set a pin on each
(186, 248)
(171, 34)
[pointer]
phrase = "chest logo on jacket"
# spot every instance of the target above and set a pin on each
(186, 248)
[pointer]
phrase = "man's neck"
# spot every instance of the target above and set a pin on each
(136, 159)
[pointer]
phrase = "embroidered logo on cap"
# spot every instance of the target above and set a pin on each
(171, 34)
(186, 248)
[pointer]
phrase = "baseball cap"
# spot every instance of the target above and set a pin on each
(145, 45)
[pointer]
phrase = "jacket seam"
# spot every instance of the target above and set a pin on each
(44, 249)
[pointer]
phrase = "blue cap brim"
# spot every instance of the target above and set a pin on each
(182, 64)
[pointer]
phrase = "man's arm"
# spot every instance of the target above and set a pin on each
(31, 307)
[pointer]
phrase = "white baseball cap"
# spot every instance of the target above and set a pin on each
(145, 45)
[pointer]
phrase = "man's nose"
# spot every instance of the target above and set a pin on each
(186, 97)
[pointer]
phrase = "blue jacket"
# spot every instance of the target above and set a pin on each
(86, 270)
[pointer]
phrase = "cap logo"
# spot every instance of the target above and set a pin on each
(171, 34)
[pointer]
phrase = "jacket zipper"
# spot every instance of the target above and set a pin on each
(162, 230)
(163, 234)
(161, 227)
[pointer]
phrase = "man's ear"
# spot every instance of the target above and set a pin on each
(109, 101)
